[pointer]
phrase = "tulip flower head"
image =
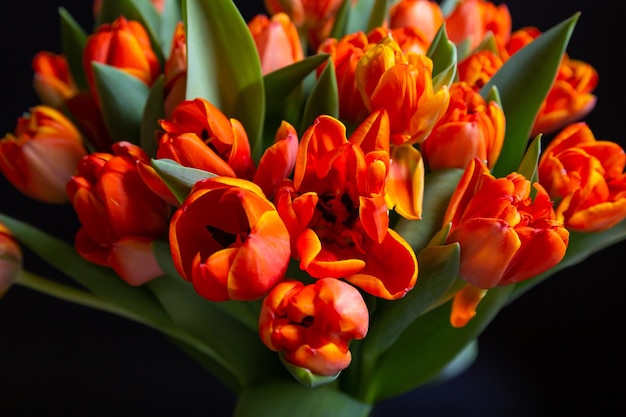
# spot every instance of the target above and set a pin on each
(229, 241)
(52, 81)
(314, 324)
(336, 212)
(276, 40)
(41, 155)
(586, 177)
(119, 214)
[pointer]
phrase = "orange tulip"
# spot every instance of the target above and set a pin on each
(176, 71)
(123, 44)
(571, 95)
(277, 41)
(504, 234)
(314, 18)
(41, 155)
(586, 177)
(424, 15)
(471, 128)
(404, 189)
(120, 216)
(409, 38)
(471, 20)
(314, 324)
(570, 98)
(199, 135)
(402, 85)
(229, 241)
(344, 54)
(278, 160)
(10, 259)
(477, 68)
(52, 81)
(335, 208)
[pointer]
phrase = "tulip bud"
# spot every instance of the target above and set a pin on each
(41, 155)
(52, 81)
(276, 40)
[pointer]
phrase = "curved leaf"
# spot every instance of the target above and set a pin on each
(444, 56)
(179, 179)
(122, 100)
(223, 65)
(260, 401)
(523, 82)
(323, 99)
(73, 39)
(428, 346)
(152, 113)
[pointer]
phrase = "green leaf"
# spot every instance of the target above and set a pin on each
(260, 401)
(73, 39)
(169, 19)
(304, 376)
(444, 56)
(324, 98)
(122, 100)
(223, 65)
(378, 15)
(523, 82)
(447, 6)
(438, 188)
(528, 166)
(154, 110)
(100, 281)
(179, 179)
(427, 347)
(360, 16)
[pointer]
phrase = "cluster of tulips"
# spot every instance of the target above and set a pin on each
(318, 172)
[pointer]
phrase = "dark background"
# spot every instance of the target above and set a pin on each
(556, 351)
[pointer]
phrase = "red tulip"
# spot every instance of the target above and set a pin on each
(425, 15)
(52, 81)
(41, 155)
(471, 20)
(119, 214)
(229, 241)
(314, 324)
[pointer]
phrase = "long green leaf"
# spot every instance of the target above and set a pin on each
(444, 55)
(260, 401)
(427, 347)
(73, 39)
(324, 98)
(153, 111)
(179, 179)
(523, 83)
(223, 65)
(123, 98)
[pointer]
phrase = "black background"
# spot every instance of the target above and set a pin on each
(556, 351)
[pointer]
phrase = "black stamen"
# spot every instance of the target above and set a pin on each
(223, 238)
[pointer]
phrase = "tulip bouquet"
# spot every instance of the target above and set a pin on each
(324, 205)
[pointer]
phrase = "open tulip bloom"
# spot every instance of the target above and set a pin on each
(324, 206)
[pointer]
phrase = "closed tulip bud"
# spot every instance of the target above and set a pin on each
(586, 177)
(471, 20)
(470, 128)
(10, 259)
(505, 235)
(119, 215)
(52, 81)
(123, 44)
(424, 15)
(40, 157)
(277, 41)
(176, 71)
(314, 324)
(228, 240)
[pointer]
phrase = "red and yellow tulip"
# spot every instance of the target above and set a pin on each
(199, 135)
(120, 216)
(471, 128)
(424, 15)
(336, 212)
(229, 241)
(400, 83)
(314, 324)
(586, 177)
(41, 155)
